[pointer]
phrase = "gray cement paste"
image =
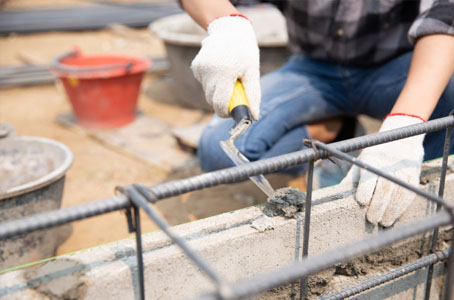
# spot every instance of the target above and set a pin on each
(285, 201)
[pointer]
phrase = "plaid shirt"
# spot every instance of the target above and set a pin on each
(362, 32)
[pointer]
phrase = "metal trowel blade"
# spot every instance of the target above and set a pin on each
(239, 159)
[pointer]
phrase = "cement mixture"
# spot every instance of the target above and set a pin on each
(357, 270)
(286, 201)
(20, 166)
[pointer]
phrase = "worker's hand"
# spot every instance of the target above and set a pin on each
(229, 52)
(387, 201)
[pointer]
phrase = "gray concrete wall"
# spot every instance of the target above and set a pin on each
(234, 244)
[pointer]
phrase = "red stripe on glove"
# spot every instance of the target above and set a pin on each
(407, 115)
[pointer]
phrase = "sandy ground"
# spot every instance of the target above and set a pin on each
(97, 169)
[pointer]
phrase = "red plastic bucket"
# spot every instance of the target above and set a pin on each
(102, 89)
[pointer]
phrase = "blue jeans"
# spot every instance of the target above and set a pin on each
(305, 90)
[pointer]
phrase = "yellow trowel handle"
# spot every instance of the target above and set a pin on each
(238, 105)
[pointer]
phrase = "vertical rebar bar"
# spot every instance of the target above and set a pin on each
(450, 276)
(441, 188)
(297, 250)
(139, 253)
(307, 224)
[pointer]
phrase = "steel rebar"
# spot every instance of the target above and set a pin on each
(296, 250)
(61, 216)
(441, 188)
(138, 199)
(370, 283)
(448, 206)
(83, 18)
(139, 253)
(240, 173)
(230, 175)
(355, 161)
(307, 224)
(314, 264)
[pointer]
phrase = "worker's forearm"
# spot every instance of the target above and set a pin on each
(431, 68)
(203, 11)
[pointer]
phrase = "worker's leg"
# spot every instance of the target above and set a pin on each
(374, 92)
(302, 91)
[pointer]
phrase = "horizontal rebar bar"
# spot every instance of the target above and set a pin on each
(314, 264)
(61, 216)
(332, 151)
(230, 175)
(239, 173)
(370, 283)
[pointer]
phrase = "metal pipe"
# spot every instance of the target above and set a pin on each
(370, 283)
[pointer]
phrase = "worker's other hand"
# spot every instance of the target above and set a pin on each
(402, 159)
(229, 52)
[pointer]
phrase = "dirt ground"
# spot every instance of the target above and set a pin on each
(97, 168)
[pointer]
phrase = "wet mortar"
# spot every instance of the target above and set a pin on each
(286, 202)
(353, 272)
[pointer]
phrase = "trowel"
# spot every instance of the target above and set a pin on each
(239, 110)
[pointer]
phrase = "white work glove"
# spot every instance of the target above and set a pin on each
(228, 53)
(402, 159)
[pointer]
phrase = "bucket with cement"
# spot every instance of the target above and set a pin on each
(182, 38)
(32, 172)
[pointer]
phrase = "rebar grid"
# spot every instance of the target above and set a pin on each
(134, 197)
(314, 264)
(229, 175)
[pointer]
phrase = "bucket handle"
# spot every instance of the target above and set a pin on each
(58, 66)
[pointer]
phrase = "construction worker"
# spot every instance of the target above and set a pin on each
(392, 60)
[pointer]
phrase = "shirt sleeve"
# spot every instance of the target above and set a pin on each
(438, 18)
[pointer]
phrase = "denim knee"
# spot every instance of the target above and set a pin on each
(210, 152)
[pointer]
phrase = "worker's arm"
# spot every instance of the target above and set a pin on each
(229, 53)
(203, 11)
(431, 68)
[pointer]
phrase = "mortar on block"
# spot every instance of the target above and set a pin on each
(32, 172)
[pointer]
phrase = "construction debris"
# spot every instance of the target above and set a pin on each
(41, 74)
(85, 17)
